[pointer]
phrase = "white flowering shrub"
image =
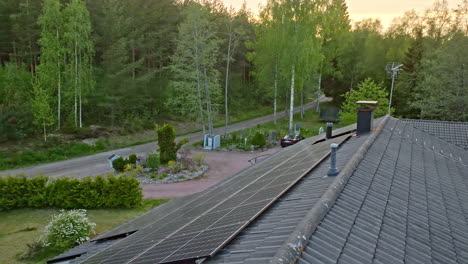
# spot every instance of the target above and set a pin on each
(67, 229)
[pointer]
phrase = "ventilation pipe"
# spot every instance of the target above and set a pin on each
(333, 170)
(329, 130)
(365, 116)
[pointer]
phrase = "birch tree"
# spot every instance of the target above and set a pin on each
(300, 52)
(49, 72)
(234, 36)
(196, 80)
(267, 49)
(43, 117)
(80, 52)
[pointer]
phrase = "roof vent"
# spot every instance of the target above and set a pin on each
(333, 171)
(365, 116)
(329, 130)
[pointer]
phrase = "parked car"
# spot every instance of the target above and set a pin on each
(292, 139)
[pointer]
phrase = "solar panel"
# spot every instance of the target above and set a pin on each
(202, 226)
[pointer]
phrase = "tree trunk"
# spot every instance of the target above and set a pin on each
(276, 91)
(200, 104)
(317, 109)
(302, 103)
(208, 102)
(59, 89)
(133, 61)
(76, 85)
(227, 82)
(81, 111)
(291, 106)
(45, 133)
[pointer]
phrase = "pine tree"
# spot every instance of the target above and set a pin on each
(408, 81)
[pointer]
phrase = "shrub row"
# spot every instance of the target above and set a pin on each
(90, 192)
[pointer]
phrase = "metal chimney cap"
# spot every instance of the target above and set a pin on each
(334, 145)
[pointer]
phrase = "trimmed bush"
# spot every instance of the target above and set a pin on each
(68, 229)
(66, 193)
(167, 146)
(119, 164)
(259, 140)
(132, 159)
(152, 161)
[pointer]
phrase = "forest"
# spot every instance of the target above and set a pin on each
(69, 64)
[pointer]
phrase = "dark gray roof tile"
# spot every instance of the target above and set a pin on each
(407, 200)
(453, 132)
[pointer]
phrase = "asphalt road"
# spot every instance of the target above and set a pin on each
(98, 164)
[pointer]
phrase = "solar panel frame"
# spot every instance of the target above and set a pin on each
(238, 195)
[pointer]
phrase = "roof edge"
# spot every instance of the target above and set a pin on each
(291, 250)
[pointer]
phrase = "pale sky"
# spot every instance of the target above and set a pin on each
(385, 10)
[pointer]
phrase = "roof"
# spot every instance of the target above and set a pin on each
(407, 202)
(453, 132)
(401, 196)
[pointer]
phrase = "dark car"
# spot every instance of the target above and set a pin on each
(289, 140)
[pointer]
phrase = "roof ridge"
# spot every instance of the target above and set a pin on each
(432, 120)
(291, 250)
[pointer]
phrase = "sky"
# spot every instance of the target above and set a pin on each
(385, 10)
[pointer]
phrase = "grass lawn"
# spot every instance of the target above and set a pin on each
(23, 226)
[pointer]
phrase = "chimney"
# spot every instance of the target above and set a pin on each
(333, 170)
(365, 116)
(329, 130)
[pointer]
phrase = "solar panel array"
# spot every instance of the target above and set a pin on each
(200, 227)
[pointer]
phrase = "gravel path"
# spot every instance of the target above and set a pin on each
(221, 165)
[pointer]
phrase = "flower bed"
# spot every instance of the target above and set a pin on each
(149, 176)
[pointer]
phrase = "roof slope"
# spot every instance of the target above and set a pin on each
(407, 202)
(453, 132)
(260, 241)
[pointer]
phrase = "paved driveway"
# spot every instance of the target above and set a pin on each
(97, 163)
(221, 165)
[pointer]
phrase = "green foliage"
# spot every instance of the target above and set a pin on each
(153, 161)
(67, 229)
(442, 92)
(259, 140)
(119, 164)
(174, 167)
(132, 159)
(195, 83)
(166, 141)
(21, 192)
(67, 193)
(367, 90)
(15, 102)
(52, 152)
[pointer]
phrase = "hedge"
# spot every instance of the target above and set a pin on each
(67, 193)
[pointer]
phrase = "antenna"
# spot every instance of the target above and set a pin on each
(392, 69)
